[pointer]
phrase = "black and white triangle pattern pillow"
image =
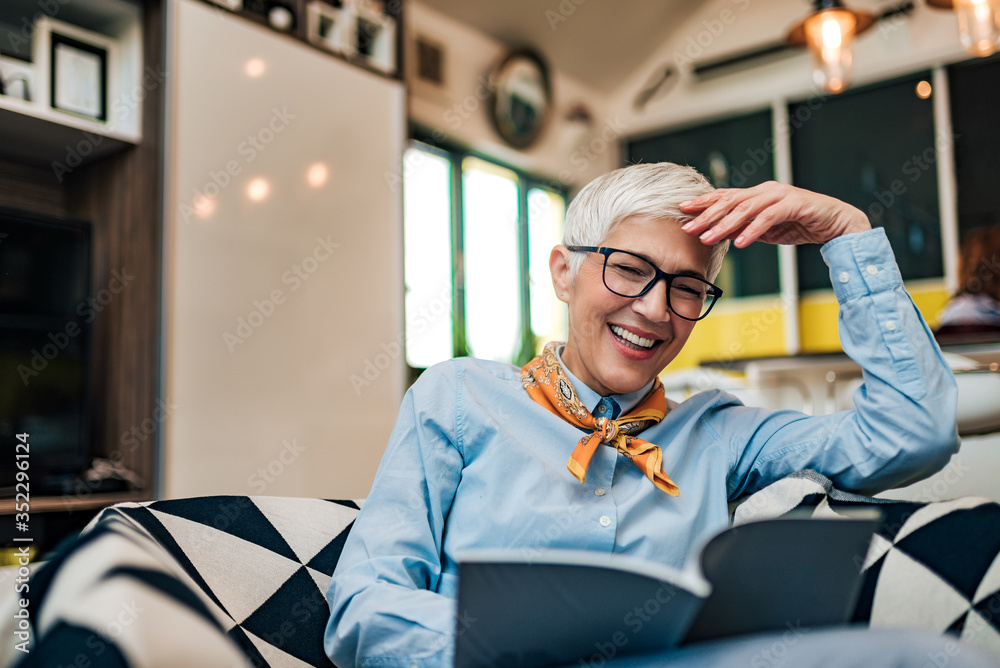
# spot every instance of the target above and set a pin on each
(265, 562)
(114, 598)
(933, 565)
(222, 581)
(937, 565)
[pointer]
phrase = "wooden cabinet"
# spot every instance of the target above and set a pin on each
(116, 184)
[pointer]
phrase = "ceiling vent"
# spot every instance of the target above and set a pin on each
(430, 61)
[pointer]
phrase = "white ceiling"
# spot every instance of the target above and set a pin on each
(599, 41)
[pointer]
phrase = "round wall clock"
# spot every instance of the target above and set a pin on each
(522, 97)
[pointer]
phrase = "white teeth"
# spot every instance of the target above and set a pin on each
(632, 338)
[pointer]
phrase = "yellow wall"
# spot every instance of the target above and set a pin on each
(754, 327)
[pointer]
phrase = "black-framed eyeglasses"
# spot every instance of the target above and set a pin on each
(629, 275)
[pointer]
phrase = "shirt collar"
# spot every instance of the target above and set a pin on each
(591, 399)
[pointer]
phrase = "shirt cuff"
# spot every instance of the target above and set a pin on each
(861, 264)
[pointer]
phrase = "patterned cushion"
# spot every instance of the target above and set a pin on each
(106, 600)
(934, 565)
(259, 566)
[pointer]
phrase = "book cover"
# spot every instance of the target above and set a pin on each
(560, 607)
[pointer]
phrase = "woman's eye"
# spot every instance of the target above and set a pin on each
(687, 291)
(632, 271)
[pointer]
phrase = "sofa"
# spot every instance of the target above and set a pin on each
(240, 581)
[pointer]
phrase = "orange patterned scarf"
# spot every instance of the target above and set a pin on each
(546, 383)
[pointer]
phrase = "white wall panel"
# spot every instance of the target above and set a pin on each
(276, 412)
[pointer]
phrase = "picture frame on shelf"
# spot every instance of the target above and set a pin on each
(329, 28)
(75, 70)
(359, 30)
(374, 36)
(79, 77)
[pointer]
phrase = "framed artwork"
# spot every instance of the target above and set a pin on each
(79, 77)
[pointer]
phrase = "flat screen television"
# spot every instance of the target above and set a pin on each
(45, 343)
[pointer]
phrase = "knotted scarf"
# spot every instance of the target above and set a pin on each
(546, 383)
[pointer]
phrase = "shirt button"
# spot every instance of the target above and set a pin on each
(871, 269)
(599, 491)
(600, 409)
(605, 521)
(844, 277)
(891, 325)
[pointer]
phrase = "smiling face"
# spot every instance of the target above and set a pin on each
(605, 349)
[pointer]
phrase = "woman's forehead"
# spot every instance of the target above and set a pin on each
(661, 240)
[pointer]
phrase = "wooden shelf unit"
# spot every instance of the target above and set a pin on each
(118, 188)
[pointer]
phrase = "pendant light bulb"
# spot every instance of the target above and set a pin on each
(979, 25)
(830, 36)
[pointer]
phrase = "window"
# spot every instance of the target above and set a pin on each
(975, 98)
(874, 148)
(427, 257)
(737, 153)
(477, 237)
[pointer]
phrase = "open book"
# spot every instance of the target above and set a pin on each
(569, 606)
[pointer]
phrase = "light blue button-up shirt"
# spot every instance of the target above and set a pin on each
(473, 462)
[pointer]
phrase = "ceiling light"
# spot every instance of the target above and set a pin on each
(829, 33)
(978, 24)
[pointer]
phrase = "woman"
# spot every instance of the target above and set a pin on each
(975, 307)
(487, 455)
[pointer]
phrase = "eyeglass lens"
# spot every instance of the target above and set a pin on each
(629, 275)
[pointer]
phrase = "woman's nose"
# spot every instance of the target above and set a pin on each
(653, 304)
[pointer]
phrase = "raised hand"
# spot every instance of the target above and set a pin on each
(775, 213)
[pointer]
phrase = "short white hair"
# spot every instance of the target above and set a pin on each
(654, 190)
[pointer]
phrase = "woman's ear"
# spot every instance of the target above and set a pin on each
(562, 281)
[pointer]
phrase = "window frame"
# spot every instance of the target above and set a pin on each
(431, 141)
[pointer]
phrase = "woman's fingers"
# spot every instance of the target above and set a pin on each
(771, 212)
(726, 213)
